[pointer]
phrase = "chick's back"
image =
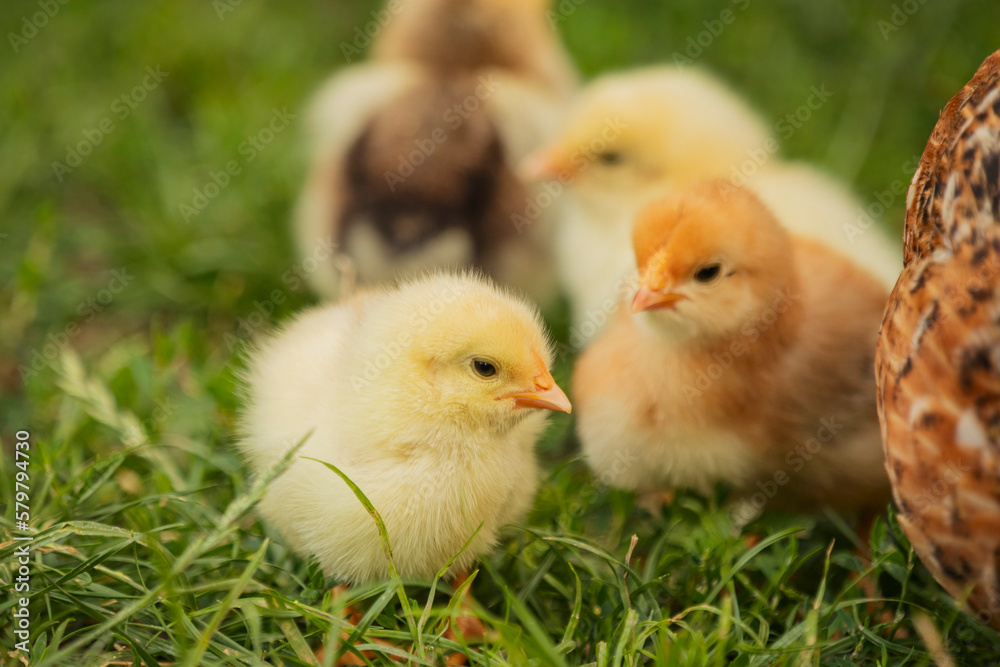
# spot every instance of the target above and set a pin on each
(824, 403)
(288, 384)
(427, 183)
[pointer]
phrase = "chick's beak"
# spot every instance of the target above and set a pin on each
(543, 165)
(546, 395)
(650, 299)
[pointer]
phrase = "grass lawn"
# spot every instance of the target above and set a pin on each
(134, 266)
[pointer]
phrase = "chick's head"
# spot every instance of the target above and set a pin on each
(632, 137)
(472, 355)
(467, 35)
(710, 258)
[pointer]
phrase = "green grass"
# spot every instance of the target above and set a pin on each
(146, 547)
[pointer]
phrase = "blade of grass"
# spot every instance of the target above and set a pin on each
(193, 658)
(226, 525)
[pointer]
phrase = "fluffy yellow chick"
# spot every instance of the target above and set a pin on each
(430, 397)
(414, 154)
(748, 360)
(632, 137)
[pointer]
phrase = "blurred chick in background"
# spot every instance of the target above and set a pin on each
(429, 397)
(455, 36)
(413, 154)
(635, 136)
(748, 358)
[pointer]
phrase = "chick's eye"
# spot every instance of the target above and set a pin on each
(609, 158)
(484, 368)
(707, 273)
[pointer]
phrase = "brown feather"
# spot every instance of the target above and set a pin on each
(462, 180)
(938, 356)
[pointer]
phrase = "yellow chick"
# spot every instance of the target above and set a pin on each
(747, 359)
(632, 137)
(429, 397)
(414, 154)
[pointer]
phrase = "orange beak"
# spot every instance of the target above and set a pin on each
(648, 299)
(544, 166)
(546, 395)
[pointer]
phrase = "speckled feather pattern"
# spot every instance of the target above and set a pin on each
(938, 357)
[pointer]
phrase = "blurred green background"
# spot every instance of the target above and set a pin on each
(228, 65)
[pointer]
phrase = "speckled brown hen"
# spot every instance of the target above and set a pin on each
(938, 358)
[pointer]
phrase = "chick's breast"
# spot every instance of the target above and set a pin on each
(938, 358)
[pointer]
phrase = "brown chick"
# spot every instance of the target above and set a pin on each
(413, 172)
(938, 358)
(747, 359)
(413, 152)
(454, 208)
(456, 36)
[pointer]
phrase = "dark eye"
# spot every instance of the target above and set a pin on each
(707, 273)
(609, 158)
(484, 368)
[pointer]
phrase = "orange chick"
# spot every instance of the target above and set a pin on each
(747, 359)
(938, 358)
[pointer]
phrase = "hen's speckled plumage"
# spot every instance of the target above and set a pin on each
(938, 357)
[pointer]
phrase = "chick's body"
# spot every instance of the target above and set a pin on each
(938, 357)
(384, 384)
(764, 370)
(633, 137)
